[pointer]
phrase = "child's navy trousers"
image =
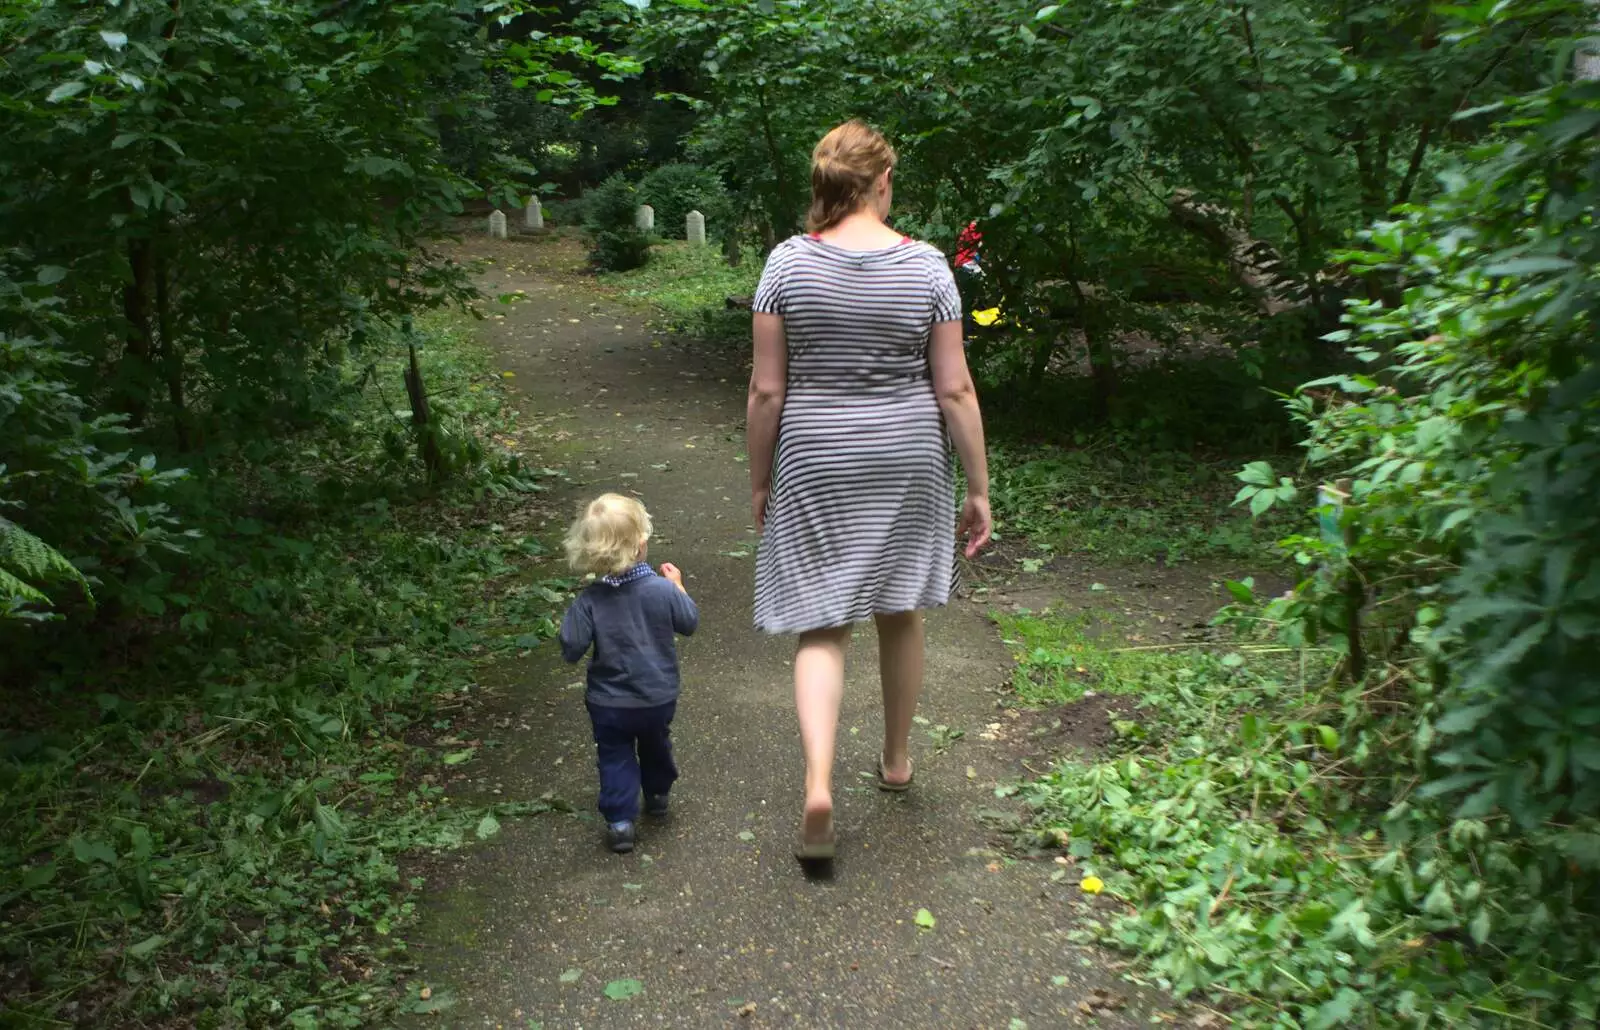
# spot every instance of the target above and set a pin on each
(634, 747)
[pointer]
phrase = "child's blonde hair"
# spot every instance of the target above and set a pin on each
(607, 538)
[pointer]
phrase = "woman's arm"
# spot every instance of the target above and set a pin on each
(768, 377)
(958, 400)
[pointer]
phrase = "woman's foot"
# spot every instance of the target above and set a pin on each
(895, 778)
(816, 830)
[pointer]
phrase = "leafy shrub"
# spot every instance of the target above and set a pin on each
(615, 242)
(70, 491)
(1460, 579)
(211, 847)
(563, 212)
(676, 189)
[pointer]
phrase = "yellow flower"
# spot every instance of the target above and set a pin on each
(986, 317)
(1092, 885)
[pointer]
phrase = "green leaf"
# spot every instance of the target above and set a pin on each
(571, 976)
(1341, 1011)
(1530, 266)
(1328, 737)
(488, 826)
(622, 990)
(49, 275)
(746, 836)
(437, 1001)
(66, 90)
(90, 851)
(925, 919)
(1258, 473)
(39, 876)
(1480, 926)
(1438, 902)
(457, 757)
(113, 39)
(147, 946)
(1046, 13)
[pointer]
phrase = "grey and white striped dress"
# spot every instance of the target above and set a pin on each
(861, 519)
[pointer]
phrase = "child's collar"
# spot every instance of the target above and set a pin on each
(639, 571)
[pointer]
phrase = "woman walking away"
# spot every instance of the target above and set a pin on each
(859, 383)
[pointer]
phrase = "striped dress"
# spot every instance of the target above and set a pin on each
(861, 518)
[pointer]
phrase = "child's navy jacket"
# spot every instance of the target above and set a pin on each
(629, 620)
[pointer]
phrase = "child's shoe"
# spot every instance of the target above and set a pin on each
(620, 837)
(656, 805)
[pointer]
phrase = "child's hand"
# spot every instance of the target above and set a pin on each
(673, 573)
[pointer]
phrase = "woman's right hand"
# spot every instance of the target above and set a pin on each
(758, 504)
(975, 523)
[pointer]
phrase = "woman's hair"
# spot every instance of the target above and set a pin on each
(844, 167)
(607, 537)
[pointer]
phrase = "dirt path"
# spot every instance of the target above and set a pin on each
(711, 915)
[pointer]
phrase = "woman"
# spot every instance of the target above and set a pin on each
(859, 383)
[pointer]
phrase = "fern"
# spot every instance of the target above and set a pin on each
(24, 555)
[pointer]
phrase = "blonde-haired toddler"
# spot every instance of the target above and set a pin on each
(627, 618)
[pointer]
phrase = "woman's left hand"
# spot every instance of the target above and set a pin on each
(975, 523)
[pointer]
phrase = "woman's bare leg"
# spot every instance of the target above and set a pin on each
(818, 690)
(900, 658)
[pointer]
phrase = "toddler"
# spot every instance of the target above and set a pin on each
(628, 617)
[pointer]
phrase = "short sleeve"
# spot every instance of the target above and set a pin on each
(946, 297)
(769, 299)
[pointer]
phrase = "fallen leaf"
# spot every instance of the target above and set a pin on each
(622, 990)
(425, 993)
(571, 976)
(1092, 885)
(747, 1009)
(746, 836)
(925, 919)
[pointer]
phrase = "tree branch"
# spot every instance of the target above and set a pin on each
(1414, 166)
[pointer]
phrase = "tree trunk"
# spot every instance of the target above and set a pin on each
(135, 373)
(421, 421)
(171, 352)
(1043, 351)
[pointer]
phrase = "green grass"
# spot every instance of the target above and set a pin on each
(202, 819)
(1062, 656)
(1118, 502)
(689, 286)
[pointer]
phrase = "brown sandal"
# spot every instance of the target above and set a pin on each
(817, 851)
(885, 784)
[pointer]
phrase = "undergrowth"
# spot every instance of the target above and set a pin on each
(1111, 499)
(202, 818)
(690, 286)
(1259, 857)
(1061, 657)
